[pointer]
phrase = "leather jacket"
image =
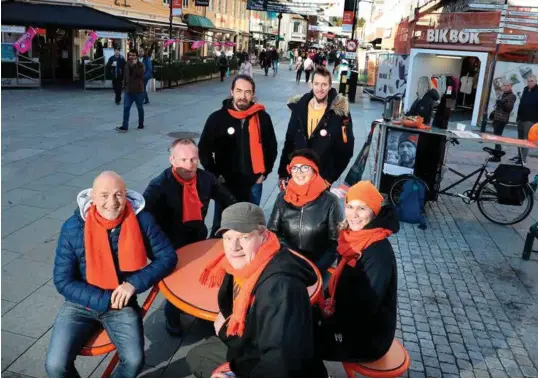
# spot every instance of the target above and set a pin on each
(312, 229)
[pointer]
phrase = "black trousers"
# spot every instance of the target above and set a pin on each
(117, 84)
(206, 357)
(298, 76)
(307, 75)
(498, 128)
(223, 73)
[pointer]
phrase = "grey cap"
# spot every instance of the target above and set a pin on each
(241, 217)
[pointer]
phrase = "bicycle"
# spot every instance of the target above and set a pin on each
(491, 195)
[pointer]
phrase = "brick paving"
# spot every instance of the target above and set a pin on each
(467, 302)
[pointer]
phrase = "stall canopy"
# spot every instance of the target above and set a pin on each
(196, 21)
(63, 16)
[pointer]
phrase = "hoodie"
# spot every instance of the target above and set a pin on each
(365, 302)
(70, 261)
(278, 340)
(332, 139)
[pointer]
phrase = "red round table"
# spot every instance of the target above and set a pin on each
(183, 289)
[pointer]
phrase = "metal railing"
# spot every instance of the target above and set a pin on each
(95, 73)
(27, 73)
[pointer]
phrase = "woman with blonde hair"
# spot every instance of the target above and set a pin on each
(357, 320)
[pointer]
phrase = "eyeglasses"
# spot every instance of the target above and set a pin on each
(302, 169)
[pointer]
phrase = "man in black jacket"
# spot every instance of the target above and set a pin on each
(116, 65)
(178, 199)
(238, 144)
(264, 328)
(321, 121)
(527, 115)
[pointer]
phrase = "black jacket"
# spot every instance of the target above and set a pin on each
(311, 230)
(365, 301)
(116, 72)
(424, 107)
(278, 340)
(333, 149)
(225, 147)
(528, 105)
(164, 200)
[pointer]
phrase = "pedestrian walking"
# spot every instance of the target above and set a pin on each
(223, 65)
(275, 58)
(262, 57)
(133, 82)
(268, 62)
(299, 68)
(501, 114)
(246, 66)
(308, 67)
(148, 73)
(238, 144)
(527, 115)
(291, 57)
(115, 66)
(320, 120)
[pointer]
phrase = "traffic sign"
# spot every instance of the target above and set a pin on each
(519, 27)
(351, 55)
(519, 37)
(491, 30)
(351, 45)
(510, 42)
(488, 6)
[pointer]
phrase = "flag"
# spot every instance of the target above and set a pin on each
(24, 43)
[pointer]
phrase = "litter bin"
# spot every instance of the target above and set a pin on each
(352, 85)
(343, 83)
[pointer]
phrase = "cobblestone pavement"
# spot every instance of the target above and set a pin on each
(467, 302)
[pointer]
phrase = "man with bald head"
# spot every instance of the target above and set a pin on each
(100, 266)
(179, 199)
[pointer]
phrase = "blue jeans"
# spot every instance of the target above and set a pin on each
(275, 66)
(146, 98)
(255, 198)
(128, 99)
(74, 326)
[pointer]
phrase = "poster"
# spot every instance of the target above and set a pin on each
(400, 152)
(517, 73)
(391, 75)
(8, 53)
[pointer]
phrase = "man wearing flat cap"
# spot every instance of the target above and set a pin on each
(264, 327)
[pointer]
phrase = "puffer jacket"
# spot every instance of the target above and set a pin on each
(504, 106)
(70, 260)
(312, 229)
(332, 139)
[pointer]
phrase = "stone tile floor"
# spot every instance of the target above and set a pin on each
(467, 302)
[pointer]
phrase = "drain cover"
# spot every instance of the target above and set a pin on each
(176, 135)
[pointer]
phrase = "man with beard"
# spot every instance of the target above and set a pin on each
(320, 120)
(238, 144)
(178, 199)
(407, 150)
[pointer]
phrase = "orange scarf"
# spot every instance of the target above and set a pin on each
(255, 138)
(300, 195)
(213, 275)
(100, 269)
(350, 246)
(192, 206)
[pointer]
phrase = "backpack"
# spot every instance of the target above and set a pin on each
(411, 204)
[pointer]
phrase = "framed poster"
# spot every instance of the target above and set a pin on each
(400, 152)
(391, 75)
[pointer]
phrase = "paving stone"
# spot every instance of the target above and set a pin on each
(529, 371)
(416, 374)
(449, 368)
(410, 337)
(481, 373)
(13, 345)
(523, 360)
(446, 358)
(433, 372)
(467, 374)
(11, 374)
(431, 361)
(21, 277)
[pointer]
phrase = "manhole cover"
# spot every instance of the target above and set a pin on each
(176, 135)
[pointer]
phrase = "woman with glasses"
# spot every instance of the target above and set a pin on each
(306, 215)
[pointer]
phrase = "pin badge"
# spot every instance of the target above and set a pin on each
(231, 130)
(323, 132)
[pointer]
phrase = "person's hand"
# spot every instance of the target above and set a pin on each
(218, 323)
(260, 179)
(282, 183)
(121, 295)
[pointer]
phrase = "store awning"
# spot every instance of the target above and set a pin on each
(63, 16)
(196, 21)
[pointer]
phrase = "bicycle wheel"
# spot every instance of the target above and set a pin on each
(397, 187)
(503, 214)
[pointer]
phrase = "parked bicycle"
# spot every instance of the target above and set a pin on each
(504, 196)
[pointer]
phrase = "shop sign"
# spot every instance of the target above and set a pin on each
(314, 28)
(347, 21)
(519, 27)
(518, 13)
(519, 37)
(490, 30)
(452, 36)
(201, 3)
(13, 29)
(176, 7)
(112, 35)
(487, 6)
(510, 42)
(520, 20)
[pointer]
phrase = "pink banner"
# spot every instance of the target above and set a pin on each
(197, 44)
(92, 37)
(217, 44)
(24, 43)
(229, 43)
(168, 42)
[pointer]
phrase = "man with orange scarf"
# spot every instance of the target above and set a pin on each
(178, 199)
(264, 327)
(238, 144)
(357, 320)
(100, 266)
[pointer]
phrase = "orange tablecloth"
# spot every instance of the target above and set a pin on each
(183, 289)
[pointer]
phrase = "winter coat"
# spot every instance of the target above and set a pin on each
(223, 62)
(278, 339)
(148, 67)
(365, 300)
(164, 200)
(70, 260)
(274, 55)
(225, 148)
(312, 229)
(332, 139)
(133, 78)
(528, 105)
(424, 107)
(504, 106)
(116, 71)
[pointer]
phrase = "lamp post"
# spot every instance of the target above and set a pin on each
(278, 31)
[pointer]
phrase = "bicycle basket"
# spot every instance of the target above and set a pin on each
(510, 182)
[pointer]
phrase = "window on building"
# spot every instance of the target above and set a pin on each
(167, 2)
(297, 27)
(185, 3)
(225, 6)
(210, 5)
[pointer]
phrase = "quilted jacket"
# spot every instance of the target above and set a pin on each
(70, 261)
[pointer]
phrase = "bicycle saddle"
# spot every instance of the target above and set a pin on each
(495, 153)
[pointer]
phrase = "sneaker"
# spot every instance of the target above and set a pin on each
(121, 129)
(140, 127)
(174, 331)
(514, 159)
(117, 102)
(146, 102)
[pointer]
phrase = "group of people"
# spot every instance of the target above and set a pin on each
(267, 325)
(269, 58)
(132, 76)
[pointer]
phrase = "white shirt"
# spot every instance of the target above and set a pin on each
(308, 64)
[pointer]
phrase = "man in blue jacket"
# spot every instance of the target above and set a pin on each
(146, 59)
(100, 266)
(116, 65)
